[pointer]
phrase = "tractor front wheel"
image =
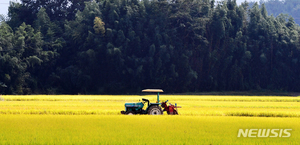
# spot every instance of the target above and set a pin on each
(155, 110)
(130, 113)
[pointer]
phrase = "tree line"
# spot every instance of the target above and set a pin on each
(123, 46)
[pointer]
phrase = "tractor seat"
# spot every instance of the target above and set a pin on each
(145, 100)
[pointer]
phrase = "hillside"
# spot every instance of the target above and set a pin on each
(117, 47)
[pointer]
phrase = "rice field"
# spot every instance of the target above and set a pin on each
(265, 106)
(96, 119)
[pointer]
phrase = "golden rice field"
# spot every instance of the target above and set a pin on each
(96, 119)
(268, 106)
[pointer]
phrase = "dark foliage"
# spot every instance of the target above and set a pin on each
(123, 46)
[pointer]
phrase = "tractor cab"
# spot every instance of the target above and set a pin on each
(154, 91)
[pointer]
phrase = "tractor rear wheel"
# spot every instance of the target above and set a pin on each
(130, 113)
(155, 110)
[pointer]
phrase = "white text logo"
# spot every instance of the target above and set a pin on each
(264, 133)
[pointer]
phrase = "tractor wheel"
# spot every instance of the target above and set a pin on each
(130, 113)
(155, 110)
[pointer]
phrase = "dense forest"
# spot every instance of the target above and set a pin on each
(276, 7)
(123, 46)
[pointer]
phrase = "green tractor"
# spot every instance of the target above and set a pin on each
(137, 108)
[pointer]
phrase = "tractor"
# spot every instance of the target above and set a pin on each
(152, 108)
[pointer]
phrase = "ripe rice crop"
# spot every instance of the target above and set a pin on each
(254, 106)
(122, 129)
(96, 119)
